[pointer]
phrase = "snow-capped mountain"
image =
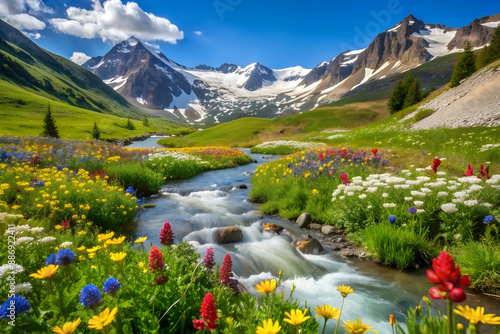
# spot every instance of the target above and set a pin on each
(206, 94)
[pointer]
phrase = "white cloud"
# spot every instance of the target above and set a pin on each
(197, 32)
(24, 22)
(79, 58)
(114, 21)
(32, 35)
(20, 13)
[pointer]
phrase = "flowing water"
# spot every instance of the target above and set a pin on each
(197, 206)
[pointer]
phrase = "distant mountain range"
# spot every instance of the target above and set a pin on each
(149, 79)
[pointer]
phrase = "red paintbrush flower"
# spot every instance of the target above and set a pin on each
(374, 151)
(166, 234)
(155, 259)
(469, 171)
(487, 170)
(435, 165)
(449, 279)
(208, 312)
(226, 270)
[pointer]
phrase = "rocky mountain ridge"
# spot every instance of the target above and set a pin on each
(149, 79)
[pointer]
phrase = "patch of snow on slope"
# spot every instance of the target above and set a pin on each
(437, 39)
(200, 110)
(491, 24)
(182, 100)
(395, 28)
(119, 80)
(141, 100)
(328, 90)
(381, 68)
(368, 74)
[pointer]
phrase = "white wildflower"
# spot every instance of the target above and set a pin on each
(371, 189)
(46, 240)
(418, 203)
(341, 197)
(488, 205)
(385, 195)
(449, 207)
(452, 187)
(23, 240)
(36, 229)
(441, 173)
(389, 205)
(425, 190)
(460, 194)
(442, 193)
(471, 202)
(423, 178)
(369, 207)
(420, 169)
(22, 288)
(10, 269)
(65, 244)
(350, 193)
(475, 187)
(395, 179)
(420, 210)
(408, 199)
(413, 182)
(469, 179)
(417, 193)
(362, 196)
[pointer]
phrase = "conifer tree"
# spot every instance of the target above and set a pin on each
(96, 134)
(490, 53)
(49, 125)
(413, 96)
(129, 125)
(397, 97)
(465, 66)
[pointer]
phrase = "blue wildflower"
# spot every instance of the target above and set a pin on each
(392, 219)
(412, 210)
(139, 202)
(90, 296)
(51, 259)
(13, 307)
(64, 256)
(38, 184)
(111, 285)
(487, 219)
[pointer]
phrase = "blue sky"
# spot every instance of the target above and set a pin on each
(275, 33)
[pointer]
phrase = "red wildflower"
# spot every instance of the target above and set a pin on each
(331, 172)
(321, 156)
(487, 170)
(449, 279)
(344, 178)
(155, 259)
(435, 165)
(160, 280)
(208, 312)
(65, 224)
(225, 272)
(483, 174)
(374, 151)
(469, 171)
(166, 234)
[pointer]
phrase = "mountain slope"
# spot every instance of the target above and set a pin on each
(27, 65)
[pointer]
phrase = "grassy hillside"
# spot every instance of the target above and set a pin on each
(245, 132)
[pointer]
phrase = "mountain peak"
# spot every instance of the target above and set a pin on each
(132, 41)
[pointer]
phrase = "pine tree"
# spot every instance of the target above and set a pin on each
(129, 125)
(490, 53)
(49, 125)
(413, 96)
(397, 98)
(96, 134)
(145, 121)
(465, 66)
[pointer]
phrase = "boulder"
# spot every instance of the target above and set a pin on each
(308, 246)
(241, 186)
(225, 235)
(315, 227)
(329, 230)
(273, 228)
(304, 220)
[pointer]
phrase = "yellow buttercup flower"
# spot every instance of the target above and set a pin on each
(58, 227)
(105, 236)
(357, 327)
(117, 256)
(268, 327)
(115, 241)
(103, 319)
(140, 264)
(68, 328)
(326, 311)
(141, 240)
(345, 290)
(392, 319)
(81, 248)
(45, 272)
(266, 286)
(82, 232)
(477, 315)
(93, 249)
(296, 317)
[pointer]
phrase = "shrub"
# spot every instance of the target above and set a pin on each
(423, 113)
(401, 247)
(144, 180)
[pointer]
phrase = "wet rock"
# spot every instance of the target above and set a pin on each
(241, 186)
(273, 228)
(225, 235)
(308, 246)
(304, 220)
(328, 230)
(315, 227)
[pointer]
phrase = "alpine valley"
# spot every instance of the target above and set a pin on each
(204, 94)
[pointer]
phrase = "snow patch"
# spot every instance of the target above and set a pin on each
(328, 90)
(368, 74)
(438, 40)
(141, 100)
(395, 28)
(491, 24)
